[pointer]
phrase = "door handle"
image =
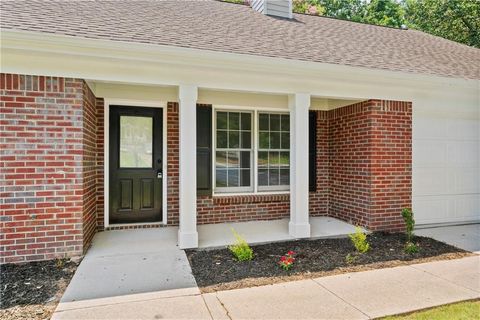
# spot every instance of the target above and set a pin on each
(159, 174)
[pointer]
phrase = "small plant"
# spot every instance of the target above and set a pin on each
(407, 215)
(60, 262)
(359, 239)
(350, 258)
(286, 261)
(410, 246)
(240, 249)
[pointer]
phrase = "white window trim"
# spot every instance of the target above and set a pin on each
(254, 159)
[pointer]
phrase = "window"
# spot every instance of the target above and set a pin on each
(233, 151)
(273, 151)
(236, 169)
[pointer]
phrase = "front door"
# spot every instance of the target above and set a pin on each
(135, 164)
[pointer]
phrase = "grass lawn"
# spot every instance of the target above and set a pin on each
(458, 311)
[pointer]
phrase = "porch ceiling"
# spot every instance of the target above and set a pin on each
(139, 92)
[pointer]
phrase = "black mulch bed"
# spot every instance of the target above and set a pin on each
(32, 290)
(217, 270)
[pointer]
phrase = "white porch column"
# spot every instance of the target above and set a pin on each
(299, 226)
(187, 233)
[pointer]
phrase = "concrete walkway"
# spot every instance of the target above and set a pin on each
(466, 237)
(126, 262)
(362, 295)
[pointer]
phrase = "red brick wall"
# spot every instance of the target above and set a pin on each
(349, 163)
(172, 164)
(100, 162)
(242, 208)
(89, 143)
(391, 163)
(370, 163)
(45, 167)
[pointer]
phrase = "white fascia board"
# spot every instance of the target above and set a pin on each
(105, 60)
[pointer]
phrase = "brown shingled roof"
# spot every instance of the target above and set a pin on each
(219, 26)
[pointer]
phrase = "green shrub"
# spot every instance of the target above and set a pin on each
(359, 240)
(411, 247)
(240, 249)
(407, 215)
(350, 258)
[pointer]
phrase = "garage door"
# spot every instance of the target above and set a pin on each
(446, 162)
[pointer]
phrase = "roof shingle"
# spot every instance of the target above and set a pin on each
(225, 27)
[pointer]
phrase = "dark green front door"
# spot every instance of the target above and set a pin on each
(135, 182)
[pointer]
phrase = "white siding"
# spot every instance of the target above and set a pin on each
(257, 5)
(278, 8)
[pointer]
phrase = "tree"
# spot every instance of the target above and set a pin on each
(384, 13)
(457, 20)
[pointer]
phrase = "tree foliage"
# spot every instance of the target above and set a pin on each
(457, 20)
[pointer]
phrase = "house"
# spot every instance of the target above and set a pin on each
(135, 114)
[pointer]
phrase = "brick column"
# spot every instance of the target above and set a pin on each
(48, 158)
(370, 163)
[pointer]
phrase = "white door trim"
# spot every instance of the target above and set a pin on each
(106, 148)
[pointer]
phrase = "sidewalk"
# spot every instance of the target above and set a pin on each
(362, 295)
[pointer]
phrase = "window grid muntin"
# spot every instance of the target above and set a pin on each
(227, 149)
(283, 130)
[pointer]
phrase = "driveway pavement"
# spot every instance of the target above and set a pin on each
(466, 237)
(361, 295)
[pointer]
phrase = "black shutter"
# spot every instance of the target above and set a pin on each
(204, 150)
(312, 150)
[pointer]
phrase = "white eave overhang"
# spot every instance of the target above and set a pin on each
(129, 62)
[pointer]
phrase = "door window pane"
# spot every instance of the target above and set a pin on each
(136, 142)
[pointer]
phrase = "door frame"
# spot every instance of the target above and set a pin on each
(106, 150)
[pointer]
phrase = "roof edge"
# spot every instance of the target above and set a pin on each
(74, 45)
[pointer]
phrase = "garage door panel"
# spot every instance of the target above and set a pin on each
(463, 129)
(446, 209)
(430, 128)
(429, 209)
(430, 153)
(466, 181)
(430, 181)
(445, 181)
(463, 154)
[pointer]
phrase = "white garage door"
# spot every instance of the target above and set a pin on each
(446, 161)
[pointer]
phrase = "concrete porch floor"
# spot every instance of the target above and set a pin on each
(217, 235)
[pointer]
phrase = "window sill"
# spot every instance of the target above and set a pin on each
(251, 198)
